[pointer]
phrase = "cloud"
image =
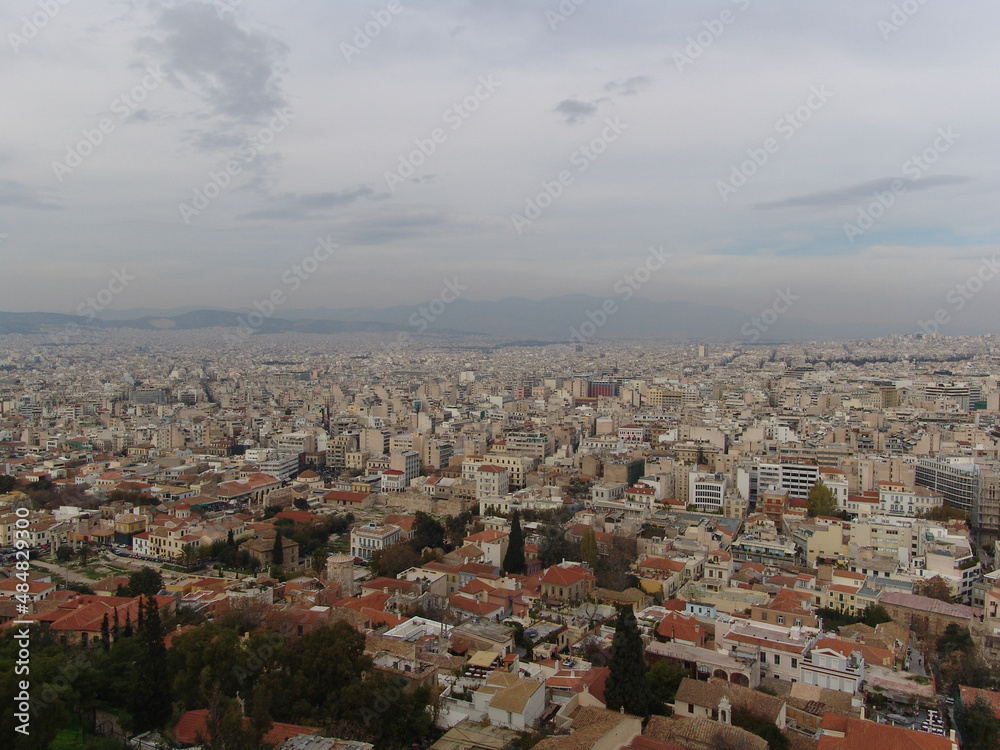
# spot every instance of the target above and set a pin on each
(299, 207)
(378, 230)
(575, 111)
(233, 70)
(19, 195)
(628, 87)
(849, 196)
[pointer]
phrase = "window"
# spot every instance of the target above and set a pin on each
(763, 616)
(781, 619)
(777, 660)
(690, 708)
(795, 662)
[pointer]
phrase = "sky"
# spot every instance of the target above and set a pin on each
(841, 155)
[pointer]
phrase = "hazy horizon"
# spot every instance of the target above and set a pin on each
(731, 154)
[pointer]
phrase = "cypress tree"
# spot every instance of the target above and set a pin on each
(277, 552)
(626, 685)
(105, 633)
(513, 561)
(150, 704)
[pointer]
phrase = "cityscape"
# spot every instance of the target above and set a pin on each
(456, 375)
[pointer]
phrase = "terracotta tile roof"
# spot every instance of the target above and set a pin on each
(192, 723)
(564, 576)
(703, 733)
(864, 735)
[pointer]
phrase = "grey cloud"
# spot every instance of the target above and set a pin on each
(235, 71)
(19, 195)
(382, 229)
(628, 87)
(575, 111)
(298, 207)
(850, 195)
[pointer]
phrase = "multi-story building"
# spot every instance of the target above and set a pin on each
(371, 538)
(491, 481)
(833, 664)
(796, 476)
(406, 461)
(707, 491)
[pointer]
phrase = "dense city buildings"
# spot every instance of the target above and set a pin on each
(807, 519)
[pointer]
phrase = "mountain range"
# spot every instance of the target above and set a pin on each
(557, 319)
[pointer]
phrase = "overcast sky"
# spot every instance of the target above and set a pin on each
(745, 137)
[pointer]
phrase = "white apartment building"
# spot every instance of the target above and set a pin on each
(707, 491)
(796, 477)
(371, 538)
(491, 481)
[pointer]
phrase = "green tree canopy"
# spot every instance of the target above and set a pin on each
(146, 580)
(978, 725)
(427, 532)
(278, 550)
(626, 686)
(664, 677)
(821, 500)
(588, 548)
(513, 561)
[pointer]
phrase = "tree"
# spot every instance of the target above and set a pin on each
(147, 702)
(278, 550)
(664, 677)
(762, 727)
(427, 532)
(821, 500)
(978, 725)
(84, 554)
(934, 588)
(393, 560)
(105, 633)
(189, 554)
(588, 548)
(230, 539)
(513, 561)
(301, 503)
(146, 581)
(874, 615)
(318, 562)
(7, 483)
(626, 686)
(64, 553)
(944, 513)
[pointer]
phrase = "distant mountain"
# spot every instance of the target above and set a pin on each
(559, 319)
